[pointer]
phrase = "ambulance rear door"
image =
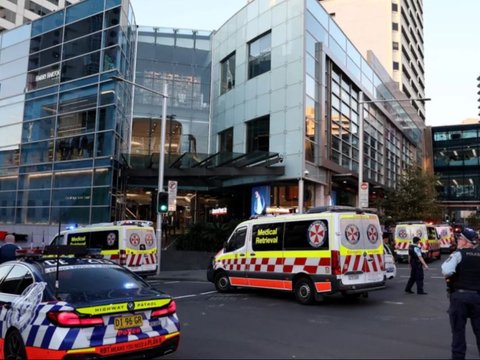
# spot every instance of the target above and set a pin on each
(361, 249)
(141, 248)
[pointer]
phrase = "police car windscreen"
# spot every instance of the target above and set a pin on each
(86, 283)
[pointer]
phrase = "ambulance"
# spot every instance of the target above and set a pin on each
(130, 243)
(330, 250)
(447, 237)
(429, 239)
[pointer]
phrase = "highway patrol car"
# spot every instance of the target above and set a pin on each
(65, 307)
(330, 250)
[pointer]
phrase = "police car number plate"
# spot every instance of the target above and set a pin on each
(125, 322)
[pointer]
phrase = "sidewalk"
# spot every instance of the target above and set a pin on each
(185, 275)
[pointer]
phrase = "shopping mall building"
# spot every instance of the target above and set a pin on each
(269, 106)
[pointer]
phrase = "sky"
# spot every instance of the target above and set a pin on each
(451, 35)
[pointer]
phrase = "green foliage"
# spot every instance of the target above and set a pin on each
(205, 236)
(415, 198)
(474, 220)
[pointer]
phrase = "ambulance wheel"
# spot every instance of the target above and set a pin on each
(222, 282)
(14, 348)
(304, 291)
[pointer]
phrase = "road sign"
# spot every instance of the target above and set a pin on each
(172, 195)
(363, 195)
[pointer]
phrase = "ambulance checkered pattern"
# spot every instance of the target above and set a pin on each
(278, 265)
(366, 264)
(39, 332)
(135, 259)
(402, 245)
(446, 243)
(319, 266)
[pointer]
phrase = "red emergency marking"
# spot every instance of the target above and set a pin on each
(237, 281)
(42, 354)
(323, 286)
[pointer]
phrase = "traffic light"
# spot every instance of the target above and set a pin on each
(162, 202)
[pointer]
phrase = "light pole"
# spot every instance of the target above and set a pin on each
(161, 159)
(361, 102)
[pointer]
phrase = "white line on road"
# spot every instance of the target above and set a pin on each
(184, 296)
(171, 282)
(208, 292)
(394, 302)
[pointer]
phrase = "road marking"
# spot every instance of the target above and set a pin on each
(194, 295)
(185, 296)
(393, 302)
(171, 282)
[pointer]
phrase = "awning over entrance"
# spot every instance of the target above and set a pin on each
(201, 171)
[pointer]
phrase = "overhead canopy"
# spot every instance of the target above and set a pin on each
(201, 171)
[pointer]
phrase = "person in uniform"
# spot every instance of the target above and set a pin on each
(8, 249)
(417, 265)
(462, 273)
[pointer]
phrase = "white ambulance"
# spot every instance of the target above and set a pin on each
(327, 251)
(429, 240)
(447, 237)
(130, 243)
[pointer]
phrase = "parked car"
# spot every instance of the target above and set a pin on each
(390, 266)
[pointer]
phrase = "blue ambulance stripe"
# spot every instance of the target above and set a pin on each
(48, 337)
(97, 336)
(32, 335)
(69, 339)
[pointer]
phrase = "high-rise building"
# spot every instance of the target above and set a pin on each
(17, 12)
(393, 30)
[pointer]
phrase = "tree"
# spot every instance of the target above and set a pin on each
(415, 198)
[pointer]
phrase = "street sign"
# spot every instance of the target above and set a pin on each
(363, 195)
(172, 195)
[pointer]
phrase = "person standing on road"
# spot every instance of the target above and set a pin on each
(462, 272)
(417, 265)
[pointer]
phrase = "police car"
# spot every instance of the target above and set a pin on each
(83, 306)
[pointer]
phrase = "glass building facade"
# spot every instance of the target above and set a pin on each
(67, 122)
(287, 79)
(456, 161)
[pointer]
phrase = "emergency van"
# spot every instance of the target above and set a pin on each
(130, 243)
(447, 237)
(329, 250)
(429, 240)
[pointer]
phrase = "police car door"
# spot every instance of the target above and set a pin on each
(361, 249)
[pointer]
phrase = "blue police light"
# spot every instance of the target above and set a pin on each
(71, 227)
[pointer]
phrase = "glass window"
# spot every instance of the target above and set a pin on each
(112, 17)
(47, 40)
(227, 66)
(104, 145)
(78, 99)
(226, 140)
(259, 55)
(14, 52)
(237, 240)
(16, 281)
(37, 152)
(4, 270)
(76, 123)
(95, 239)
(43, 77)
(106, 118)
(83, 9)
(102, 176)
(41, 107)
(267, 237)
(44, 58)
(258, 134)
(71, 197)
(395, 26)
(83, 27)
(83, 45)
(81, 66)
(48, 22)
(110, 36)
(101, 196)
(11, 87)
(110, 58)
(306, 235)
(16, 35)
(38, 181)
(38, 130)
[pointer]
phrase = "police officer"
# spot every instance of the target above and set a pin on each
(417, 264)
(462, 272)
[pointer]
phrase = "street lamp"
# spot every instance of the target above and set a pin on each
(161, 159)
(361, 187)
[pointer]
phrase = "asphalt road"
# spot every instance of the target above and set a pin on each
(249, 324)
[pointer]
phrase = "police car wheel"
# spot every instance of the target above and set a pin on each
(14, 348)
(304, 291)
(222, 283)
